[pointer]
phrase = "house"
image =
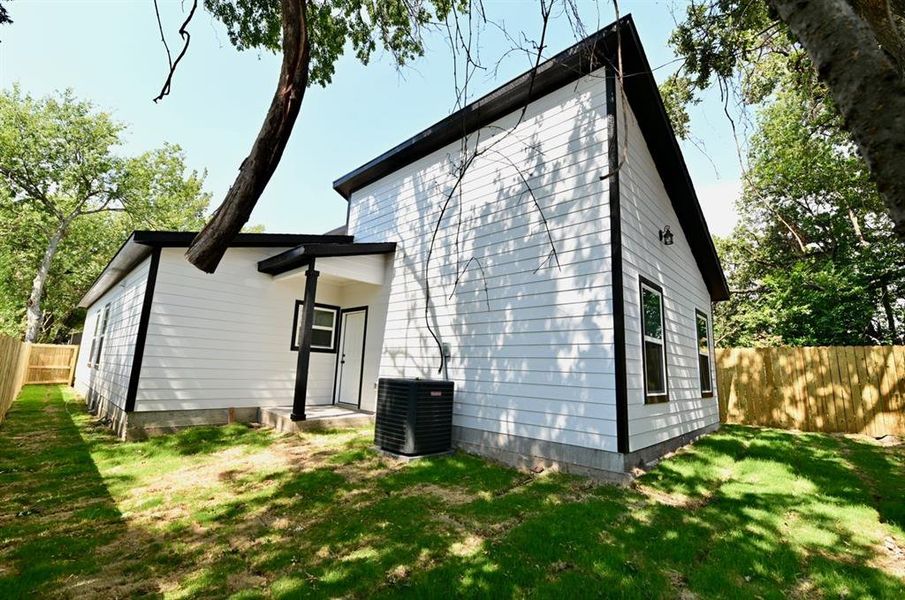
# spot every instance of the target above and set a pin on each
(564, 282)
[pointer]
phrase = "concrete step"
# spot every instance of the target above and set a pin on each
(319, 418)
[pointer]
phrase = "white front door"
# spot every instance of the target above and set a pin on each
(351, 351)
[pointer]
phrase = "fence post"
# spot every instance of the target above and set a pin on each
(72, 362)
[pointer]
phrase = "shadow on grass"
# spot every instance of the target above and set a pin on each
(56, 511)
(746, 513)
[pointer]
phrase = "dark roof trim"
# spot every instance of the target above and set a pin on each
(645, 100)
(566, 67)
(138, 246)
(129, 256)
(183, 239)
(301, 255)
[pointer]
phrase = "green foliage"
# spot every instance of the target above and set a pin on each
(735, 44)
(814, 260)
(678, 94)
(60, 169)
(366, 25)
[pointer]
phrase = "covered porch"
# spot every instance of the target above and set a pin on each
(338, 328)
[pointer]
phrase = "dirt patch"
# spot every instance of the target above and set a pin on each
(450, 495)
(676, 500)
(227, 466)
(804, 589)
(398, 574)
(245, 581)
(889, 556)
(680, 583)
(469, 546)
(886, 441)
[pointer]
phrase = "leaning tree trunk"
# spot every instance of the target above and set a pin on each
(210, 244)
(33, 313)
(865, 84)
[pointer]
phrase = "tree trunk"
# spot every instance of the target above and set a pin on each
(210, 244)
(33, 312)
(890, 315)
(865, 84)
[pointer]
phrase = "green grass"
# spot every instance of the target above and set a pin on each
(238, 512)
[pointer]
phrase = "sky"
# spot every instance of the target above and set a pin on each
(110, 52)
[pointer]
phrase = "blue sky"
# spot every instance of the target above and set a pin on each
(110, 52)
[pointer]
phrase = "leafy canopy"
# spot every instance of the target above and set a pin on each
(366, 25)
(61, 169)
(814, 259)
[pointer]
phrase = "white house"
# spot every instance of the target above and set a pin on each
(567, 292)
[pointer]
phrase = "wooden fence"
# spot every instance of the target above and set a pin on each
(13, 369)
(858, 389)
(22, 363)
(51, 363)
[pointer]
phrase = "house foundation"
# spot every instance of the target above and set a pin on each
(527, 453)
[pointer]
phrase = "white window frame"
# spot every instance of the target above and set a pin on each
(657, 396)
(100, 334)
(698, 313)
(297, 321)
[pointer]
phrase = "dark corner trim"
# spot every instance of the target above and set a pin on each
(619, 352)
(139, 354)
(294, 342)
(644, 281)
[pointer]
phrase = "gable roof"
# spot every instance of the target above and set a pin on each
(139, 244)
(566, 67)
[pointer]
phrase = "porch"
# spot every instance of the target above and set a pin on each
(317, 418)
(337, 328)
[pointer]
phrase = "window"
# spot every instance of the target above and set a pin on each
(100, 332)
(703, 330)
(323, 331)
(654, 340)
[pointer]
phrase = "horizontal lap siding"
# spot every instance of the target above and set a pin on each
(223, 340)
(110, 380)
(645, 210)
(538, 361)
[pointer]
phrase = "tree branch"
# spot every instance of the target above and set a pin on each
(256, 170)
(866, 86)
(186, 36)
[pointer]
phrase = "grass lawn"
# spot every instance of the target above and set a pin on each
(234, 511)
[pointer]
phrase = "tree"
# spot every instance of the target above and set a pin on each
(311, 37)
(60, 176)
(855, 47)
(814, 260)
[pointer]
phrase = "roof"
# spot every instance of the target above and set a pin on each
(302, 255)
(139, 244)
(566, 67)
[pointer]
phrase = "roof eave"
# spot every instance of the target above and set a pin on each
(129, 255)
(139, 244)
(302, 255)
(567, 66)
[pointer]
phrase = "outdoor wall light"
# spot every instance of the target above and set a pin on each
(666, 236)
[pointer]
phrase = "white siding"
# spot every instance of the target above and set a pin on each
(645, 210)
(110, 380)
(223, 340)
(538, 362)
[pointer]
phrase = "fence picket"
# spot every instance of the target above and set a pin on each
(842, 389)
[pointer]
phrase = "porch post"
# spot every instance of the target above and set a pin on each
(301, 369)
